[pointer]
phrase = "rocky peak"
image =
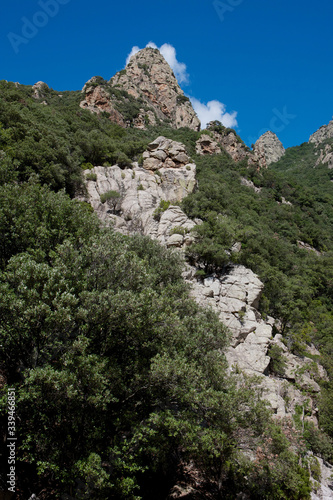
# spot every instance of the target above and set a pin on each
(144, 93)
(268, 149)
(325, 132)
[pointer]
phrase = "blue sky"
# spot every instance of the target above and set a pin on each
(268, 63)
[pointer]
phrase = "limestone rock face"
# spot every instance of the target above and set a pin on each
(233, 147)
(250, 184)
(165, 175)
(324, 489)
(325, 132)
(268, 149)
(148, 85)
(235, 296)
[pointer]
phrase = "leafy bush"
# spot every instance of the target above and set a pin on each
(179, 230)
(163, 206)
(110, 195)
(278, 363)
(91, 177)
(181, 99)
(121, 159)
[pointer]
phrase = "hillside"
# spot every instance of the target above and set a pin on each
(166, 297)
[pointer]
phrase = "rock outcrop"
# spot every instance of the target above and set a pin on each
(325, 132)
(235, 296)
(165, 153)
(144, 93)
(221, 138)
(235, 148)
(97, 99)
(326, 156)
(268, 149)
(250, 184)
(145, 194)
(205, 145)
(39, 90)
(230, 142)
(324, 488)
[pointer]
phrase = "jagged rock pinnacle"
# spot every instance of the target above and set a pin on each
(268, 149)
(149, 91)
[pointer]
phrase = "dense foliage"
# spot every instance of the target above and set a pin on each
(121, 382)
(120, 376)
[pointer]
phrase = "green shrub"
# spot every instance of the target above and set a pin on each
(200, 273)
(98, 80)
(140, 187)
(121, 159)
(87, 166)
(110, 195)
(179, 230)
(140, 160)
(278, 363)
(163, 206)
(181, 99)
(91, 177)
(318, 441)
(315, 468)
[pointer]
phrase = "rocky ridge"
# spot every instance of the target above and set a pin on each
(268, 148)
(234, 296)
(149, 87)
(40, 90)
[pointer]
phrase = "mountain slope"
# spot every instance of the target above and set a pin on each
(107, 350)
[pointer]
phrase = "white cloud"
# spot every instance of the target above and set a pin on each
(179, 69)
(213, 110)
(134, 50)
(169, 54)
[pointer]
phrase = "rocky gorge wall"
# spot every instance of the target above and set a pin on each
(147, 203)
